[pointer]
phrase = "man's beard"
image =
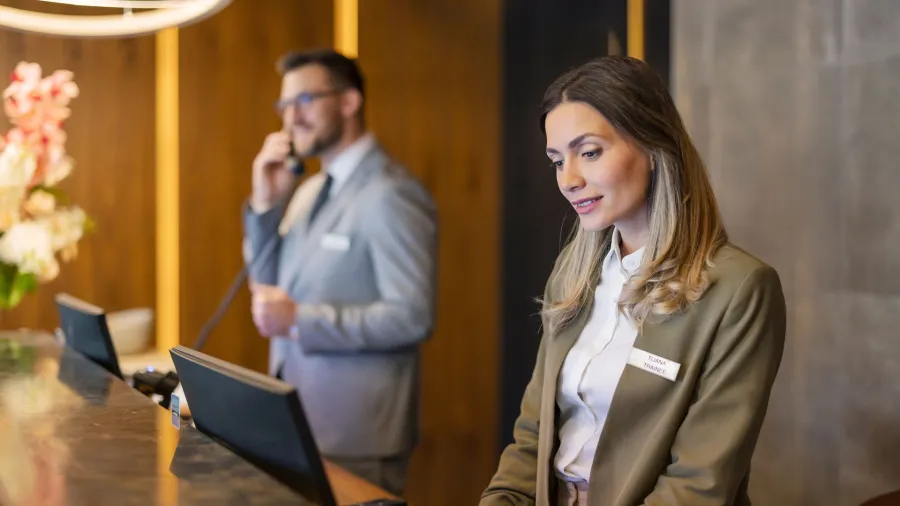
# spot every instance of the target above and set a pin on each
(324, 143)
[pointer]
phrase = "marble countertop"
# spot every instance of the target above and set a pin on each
(72, 434)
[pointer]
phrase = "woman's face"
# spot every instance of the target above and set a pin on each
(601, 173)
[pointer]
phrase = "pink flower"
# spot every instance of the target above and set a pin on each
(60, 87)
(33, 153)
(22, 95)
(25, 78)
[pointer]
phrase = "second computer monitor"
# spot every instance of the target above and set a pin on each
(86, 331)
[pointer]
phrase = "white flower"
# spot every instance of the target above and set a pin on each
(10, 206)
(58, 170)
(69, 253)
(29, 246)
(50, 271)
(40, 203)
(17, 166)
(66, 226)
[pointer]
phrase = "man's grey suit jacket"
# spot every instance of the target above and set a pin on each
(363, 275)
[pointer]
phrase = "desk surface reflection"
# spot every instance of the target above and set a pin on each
(72, 434)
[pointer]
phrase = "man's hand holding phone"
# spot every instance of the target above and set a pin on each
(272, 176)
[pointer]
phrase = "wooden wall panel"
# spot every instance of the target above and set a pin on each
(228, 88)
(433, 71)
(111, 137)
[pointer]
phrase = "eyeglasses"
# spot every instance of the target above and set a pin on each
(302, 99)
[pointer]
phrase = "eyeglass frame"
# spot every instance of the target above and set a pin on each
(304, 98)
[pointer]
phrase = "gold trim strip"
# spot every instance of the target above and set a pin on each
(167, 192)
(346, 27)
(636, 29)
(166, 443)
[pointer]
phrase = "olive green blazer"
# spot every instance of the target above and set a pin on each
(684, 442)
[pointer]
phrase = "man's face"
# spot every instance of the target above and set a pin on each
(310, 108)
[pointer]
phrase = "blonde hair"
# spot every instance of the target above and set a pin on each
(685, 226)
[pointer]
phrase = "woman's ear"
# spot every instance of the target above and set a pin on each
(653, 160)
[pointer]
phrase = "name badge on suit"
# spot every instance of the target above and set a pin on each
(335, 242)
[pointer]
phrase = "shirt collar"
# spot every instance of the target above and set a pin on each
(629, 263)
(348, 160)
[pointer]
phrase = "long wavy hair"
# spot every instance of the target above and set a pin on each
(685, 226)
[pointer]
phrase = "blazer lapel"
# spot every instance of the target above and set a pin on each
(638, 391)
(558, 349)
(560, 346)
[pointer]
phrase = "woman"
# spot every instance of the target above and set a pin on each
(661, 339)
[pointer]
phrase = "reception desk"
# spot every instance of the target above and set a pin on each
(73, 434)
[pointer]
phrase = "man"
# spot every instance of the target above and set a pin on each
(343, 276)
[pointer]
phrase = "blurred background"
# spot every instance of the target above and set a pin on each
(795, 105)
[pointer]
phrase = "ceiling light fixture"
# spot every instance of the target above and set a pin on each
(168, 13)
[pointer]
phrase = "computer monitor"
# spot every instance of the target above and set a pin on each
(85, 329)
(256, 416)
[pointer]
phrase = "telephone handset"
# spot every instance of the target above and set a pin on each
(295, 162)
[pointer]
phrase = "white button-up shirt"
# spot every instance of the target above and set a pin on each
(593, 367)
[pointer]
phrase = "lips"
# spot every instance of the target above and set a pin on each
(584, 206)
(585, 202)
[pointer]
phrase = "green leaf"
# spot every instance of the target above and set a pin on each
(7, 276)
(22, 285)
(14, 285)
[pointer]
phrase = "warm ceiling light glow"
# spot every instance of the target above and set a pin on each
(176, 13)
(124, 4)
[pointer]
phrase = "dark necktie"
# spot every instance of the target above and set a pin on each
(321, 198)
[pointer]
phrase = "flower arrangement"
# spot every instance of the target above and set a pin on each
(38, 226)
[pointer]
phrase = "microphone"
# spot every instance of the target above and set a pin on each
(297, 168)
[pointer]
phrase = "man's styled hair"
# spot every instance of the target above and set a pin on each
(344, 71)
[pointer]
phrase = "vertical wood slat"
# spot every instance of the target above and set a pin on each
(433, 100)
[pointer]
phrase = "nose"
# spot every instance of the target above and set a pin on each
(292, 115)
(569, 178)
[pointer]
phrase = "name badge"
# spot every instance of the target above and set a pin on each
(654, 364)
(336, 242)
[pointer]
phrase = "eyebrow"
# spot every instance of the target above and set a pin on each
(575, 142)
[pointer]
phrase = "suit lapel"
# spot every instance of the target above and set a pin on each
(338, 204)
(308, 237)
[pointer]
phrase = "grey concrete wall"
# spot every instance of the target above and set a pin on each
(796, 106)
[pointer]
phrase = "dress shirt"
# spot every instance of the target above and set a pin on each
(340, 169)
(593, 366)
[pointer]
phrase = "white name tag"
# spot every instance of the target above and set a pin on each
(336, 242)
(654, 364)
